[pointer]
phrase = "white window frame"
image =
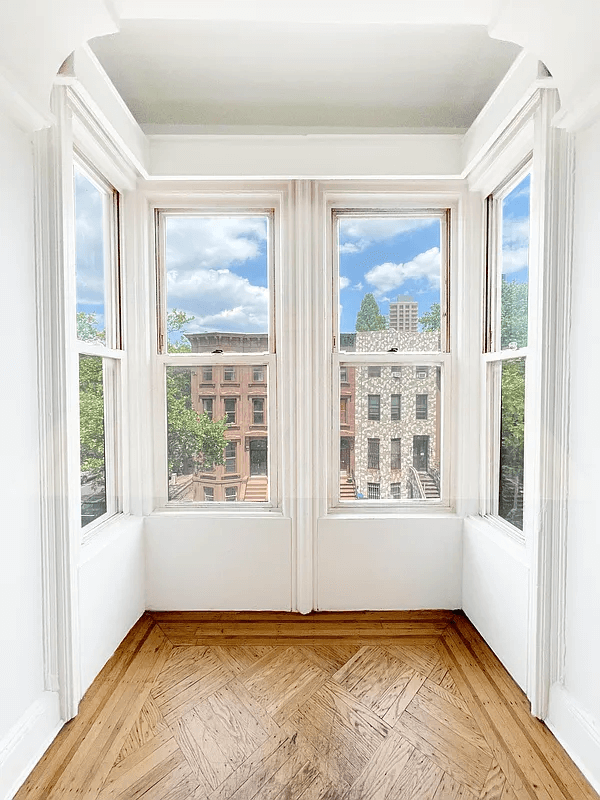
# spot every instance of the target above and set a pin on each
(493, 356)
(212, 204)
(111, 352)
(446, 207)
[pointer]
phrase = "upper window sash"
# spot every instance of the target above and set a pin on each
(391, 290)
(508, 234)
(215, 281)
(97, 258)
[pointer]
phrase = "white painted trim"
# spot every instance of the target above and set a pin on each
(580, 114)
(577, 731)
(53, 207)
(552, 207)
(20, 109)
(25, 743)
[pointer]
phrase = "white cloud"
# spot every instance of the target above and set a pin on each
(358, 233)
(219, 300)
(515, 244)
(389, 276)
(358, 286)
(193, 242)
(344, 282)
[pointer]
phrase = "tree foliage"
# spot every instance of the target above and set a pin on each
(91, 420)
(513, 327)
(430, 321)
(512, 440)
(369, 317)
(87, 328)
(176, 320)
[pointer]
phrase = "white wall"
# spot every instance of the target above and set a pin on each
(495, 593)
(24, 706)
(575, 711)
(198, 562)
(398, 563)
(111, 592)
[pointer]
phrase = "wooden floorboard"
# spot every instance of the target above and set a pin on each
(328, 706)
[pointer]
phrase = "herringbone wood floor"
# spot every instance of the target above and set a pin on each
(355, 706)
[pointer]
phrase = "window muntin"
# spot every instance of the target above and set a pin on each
(258, 411)
(372, 453)
(214, 282)
(395, 407)
(230, 404)
(224, 451)
(231, 457)
(396, 454)
(421, 406)
(392, 280)
(367, 444)
(374, 404)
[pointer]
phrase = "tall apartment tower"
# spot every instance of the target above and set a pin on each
(404, 314)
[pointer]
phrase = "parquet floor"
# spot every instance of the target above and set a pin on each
(348, 706)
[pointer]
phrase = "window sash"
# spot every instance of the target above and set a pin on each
(258, 411)
(396, 454)
(231, 457)
(395, 407)
(421, 406)
(230, 405)
(373, 453)
(374, 406)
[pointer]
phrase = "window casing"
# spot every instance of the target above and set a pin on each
(383, 360)
(207, 406)
(98, 340)
(421, 406)
(218, 360)
(373, 453)
(396, 454)
(506, 346)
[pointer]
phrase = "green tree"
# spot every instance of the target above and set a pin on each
(369, 317)
(91, 420)
(430, 321)
(514, 313)
(87, 328)
(176, 320)
(512, 440)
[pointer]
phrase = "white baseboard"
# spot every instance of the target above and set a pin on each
(27, 741)
(577, 731)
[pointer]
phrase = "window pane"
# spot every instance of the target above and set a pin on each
(217, 435)
(389, 283)
(512, 434)
(396, 449)
(90, 241)
(217, 284)
(515, 266)
(91, 438)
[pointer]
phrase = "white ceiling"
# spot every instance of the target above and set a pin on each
(254, 74)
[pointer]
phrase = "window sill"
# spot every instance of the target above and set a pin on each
(374, 509)
(224, 509)
(497, 526)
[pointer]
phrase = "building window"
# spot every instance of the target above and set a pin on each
(396, 454)
(374, 411)
(344, 402)
(396, 491)
(230, 413)
(421, 373)
(209, 494)
(374, 372)
(229, 374)
(258, 374)
(395, 407)
(373, 491)
(373, 453)
(396, 371)
(421, 406)
(98, 332)
(343, 374)
(258, 411)
(207, 374)
(506, 329)
(231, 457)
(231, 493)
(207, 406)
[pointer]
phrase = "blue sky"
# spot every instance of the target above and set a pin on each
(515, 232)
(89, 244)
(387, 256)
(217, 272)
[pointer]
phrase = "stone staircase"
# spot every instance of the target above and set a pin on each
(429, 487)
(257, 489)
(347, 487)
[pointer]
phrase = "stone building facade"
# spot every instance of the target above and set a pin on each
(397, 420)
